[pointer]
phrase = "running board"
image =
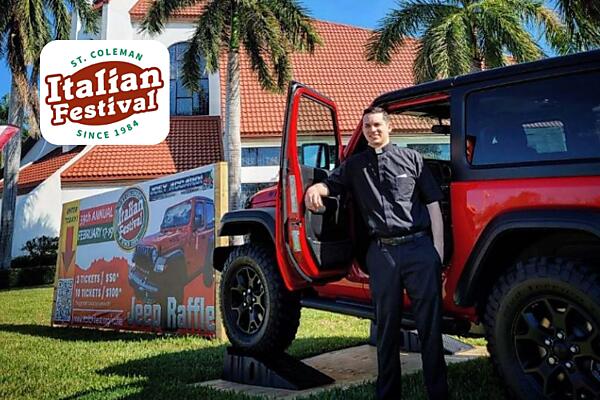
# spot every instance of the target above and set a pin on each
(339, 307)
(449, 325)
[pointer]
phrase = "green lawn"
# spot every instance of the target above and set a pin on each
(39, 362)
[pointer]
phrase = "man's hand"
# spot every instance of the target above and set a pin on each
(313, 196)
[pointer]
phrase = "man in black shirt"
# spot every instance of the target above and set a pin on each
(399, 201)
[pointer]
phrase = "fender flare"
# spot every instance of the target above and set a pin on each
(242, 222)
(571, 219)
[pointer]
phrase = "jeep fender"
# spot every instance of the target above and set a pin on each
(258, 222)
(570, 219)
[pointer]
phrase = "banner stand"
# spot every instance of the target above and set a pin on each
(221, 207)
(140, 258)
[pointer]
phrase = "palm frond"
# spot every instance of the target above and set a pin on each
(34, 28)
(206, 42)
(535, 13)
(501, 22)
(582, 19)
(444, 51)
(159, 13)
(89, 16)
(295, 21)
(62, 19)
(409, 20)
(423, 68)
(263, 38)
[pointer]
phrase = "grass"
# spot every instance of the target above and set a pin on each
(41, 362)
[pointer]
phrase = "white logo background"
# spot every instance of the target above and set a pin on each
(67, 57)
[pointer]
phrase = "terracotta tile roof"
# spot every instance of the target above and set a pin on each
(40, 170)
(192, 142)
(338, 69)
(139, 10)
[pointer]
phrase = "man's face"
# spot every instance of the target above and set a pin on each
(376, 130)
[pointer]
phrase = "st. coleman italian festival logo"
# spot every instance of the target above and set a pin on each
(104, 92)
(131, 218)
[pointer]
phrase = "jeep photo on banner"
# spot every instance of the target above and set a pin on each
(140, 258)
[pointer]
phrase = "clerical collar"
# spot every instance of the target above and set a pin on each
(383, 149)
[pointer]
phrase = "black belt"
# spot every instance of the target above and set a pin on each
(396, 240)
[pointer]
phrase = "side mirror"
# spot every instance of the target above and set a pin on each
(315, 155)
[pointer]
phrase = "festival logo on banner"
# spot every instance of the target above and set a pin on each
(131, 219)
(104, 92)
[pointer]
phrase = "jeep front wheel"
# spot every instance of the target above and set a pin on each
(259, 314)
(543, 328)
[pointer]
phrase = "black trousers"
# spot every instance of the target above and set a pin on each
(416, 266)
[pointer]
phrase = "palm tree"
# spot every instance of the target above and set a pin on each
(460, 36)
(25, 28)
(267, 30)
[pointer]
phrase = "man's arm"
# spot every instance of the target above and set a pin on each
(437, 227)
(312, 198)
(336, 183)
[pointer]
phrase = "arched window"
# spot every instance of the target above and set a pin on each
(183, 101)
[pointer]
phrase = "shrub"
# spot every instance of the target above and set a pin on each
(21, 262)
(31, 276)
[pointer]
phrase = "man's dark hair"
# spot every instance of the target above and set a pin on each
(377, 110)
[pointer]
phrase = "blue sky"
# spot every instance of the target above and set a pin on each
(352, 12)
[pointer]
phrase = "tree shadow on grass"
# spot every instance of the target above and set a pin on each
(174, 375)
(76, 334)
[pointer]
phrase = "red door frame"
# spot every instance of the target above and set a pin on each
(297, 265)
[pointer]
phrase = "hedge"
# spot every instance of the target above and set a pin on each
(27, 276)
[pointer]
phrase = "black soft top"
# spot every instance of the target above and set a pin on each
(445, 85)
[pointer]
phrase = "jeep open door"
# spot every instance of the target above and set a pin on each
(313, 247)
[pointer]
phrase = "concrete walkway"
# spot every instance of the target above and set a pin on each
(349, 367)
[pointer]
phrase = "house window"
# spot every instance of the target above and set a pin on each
(184, 101)
(260, 156)
(434, 151)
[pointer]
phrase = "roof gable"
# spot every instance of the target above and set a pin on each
(40, 170)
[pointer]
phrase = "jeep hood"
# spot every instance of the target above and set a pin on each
(165, 241)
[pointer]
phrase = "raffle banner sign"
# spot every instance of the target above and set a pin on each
(140, 258)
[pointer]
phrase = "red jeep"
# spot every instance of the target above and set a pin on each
(522, 219)
(164, 262)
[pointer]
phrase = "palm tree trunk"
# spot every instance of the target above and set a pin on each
(476, 65)
(12, 157)
(232, 140)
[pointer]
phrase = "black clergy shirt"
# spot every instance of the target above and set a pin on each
(391, 187)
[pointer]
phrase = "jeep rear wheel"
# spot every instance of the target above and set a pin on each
(259, 313)
(543, 328)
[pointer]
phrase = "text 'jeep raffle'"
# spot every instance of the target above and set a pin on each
(521, 211)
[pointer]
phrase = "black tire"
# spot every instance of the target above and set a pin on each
(542, 324)
(269, 321)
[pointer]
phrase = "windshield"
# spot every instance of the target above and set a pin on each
(177, 215)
